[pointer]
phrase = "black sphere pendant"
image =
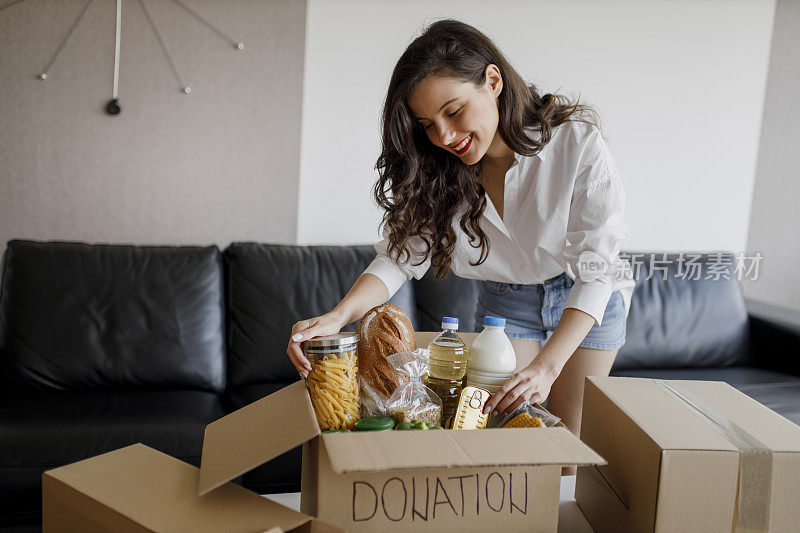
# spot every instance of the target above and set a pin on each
(112, 107)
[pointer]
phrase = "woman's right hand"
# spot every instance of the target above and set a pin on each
(327, 324)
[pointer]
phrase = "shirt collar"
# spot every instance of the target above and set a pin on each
(542, 154)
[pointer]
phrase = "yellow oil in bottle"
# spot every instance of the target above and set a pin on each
(448, 359)
(447, 368)
(448, 391)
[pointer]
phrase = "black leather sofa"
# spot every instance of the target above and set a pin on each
(102, 346)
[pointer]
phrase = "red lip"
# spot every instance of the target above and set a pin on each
(469, 143)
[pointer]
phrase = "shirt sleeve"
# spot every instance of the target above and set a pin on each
(393, 273)
(595, 228)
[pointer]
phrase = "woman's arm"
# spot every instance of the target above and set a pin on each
(380, 281)
(533, 382)
(367, 292)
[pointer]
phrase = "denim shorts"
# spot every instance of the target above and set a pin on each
(533, 311)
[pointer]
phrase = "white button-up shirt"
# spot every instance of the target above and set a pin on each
(565, 201)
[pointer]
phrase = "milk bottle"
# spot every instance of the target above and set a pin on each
(491, 357)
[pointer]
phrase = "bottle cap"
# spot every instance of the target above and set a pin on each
(374, 423)
(494, 321)
(449, 322)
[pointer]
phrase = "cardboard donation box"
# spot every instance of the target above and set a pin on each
(438, 480)
(686, 456)
(137, 488)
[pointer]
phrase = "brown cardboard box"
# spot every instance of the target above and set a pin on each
(137, 489)
(675, 467)
(439, 480)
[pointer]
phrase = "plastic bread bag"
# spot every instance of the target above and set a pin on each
(529, 416)
(372, 402)
(412, 400)
(382, 331)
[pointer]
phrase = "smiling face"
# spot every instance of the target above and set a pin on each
(458, 116)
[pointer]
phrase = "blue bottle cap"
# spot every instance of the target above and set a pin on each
(449, 320)
(494, 321)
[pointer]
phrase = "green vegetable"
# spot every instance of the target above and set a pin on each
(404, 425)
(437, 427)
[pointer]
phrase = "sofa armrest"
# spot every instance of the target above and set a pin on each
(774, 337)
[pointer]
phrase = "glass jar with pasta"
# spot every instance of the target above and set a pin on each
(332, 382)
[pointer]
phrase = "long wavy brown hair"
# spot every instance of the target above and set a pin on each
(421, 186)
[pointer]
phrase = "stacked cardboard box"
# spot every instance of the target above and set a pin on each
(686, 456)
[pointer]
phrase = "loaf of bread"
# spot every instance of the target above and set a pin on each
(382, 331)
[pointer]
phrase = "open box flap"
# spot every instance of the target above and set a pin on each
(255, 434)
(158, 492)
(390, 450)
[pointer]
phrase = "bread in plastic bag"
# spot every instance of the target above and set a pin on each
(413, 400)
(372, 401)
(383, 330)
(529, 416)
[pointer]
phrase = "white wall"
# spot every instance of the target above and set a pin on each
(680, 88)
(775, 216)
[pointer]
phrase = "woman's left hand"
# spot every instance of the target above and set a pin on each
(531, 384)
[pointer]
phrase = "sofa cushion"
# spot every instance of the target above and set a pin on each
(736, 375)
(75, 316)
(451, 296)
(685, 316)
(44, 430)
(270, 287)
(783, 398)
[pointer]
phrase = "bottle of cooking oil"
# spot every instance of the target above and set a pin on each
(447, 367)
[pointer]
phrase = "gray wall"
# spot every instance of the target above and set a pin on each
(217, 165)
(775, 218)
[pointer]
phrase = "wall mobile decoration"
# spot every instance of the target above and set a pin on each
(113, 107)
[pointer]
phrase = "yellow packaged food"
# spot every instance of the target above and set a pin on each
(333, 380)
(529, 416)
(469, 413)
(524, 420)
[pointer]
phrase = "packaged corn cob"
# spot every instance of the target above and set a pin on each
(529, 416)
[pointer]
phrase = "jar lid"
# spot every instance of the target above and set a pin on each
(337, 339)
(374, 423)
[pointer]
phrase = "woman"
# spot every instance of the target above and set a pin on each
(460, 125)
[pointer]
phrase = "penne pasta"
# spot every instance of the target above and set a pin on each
(333, 387)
